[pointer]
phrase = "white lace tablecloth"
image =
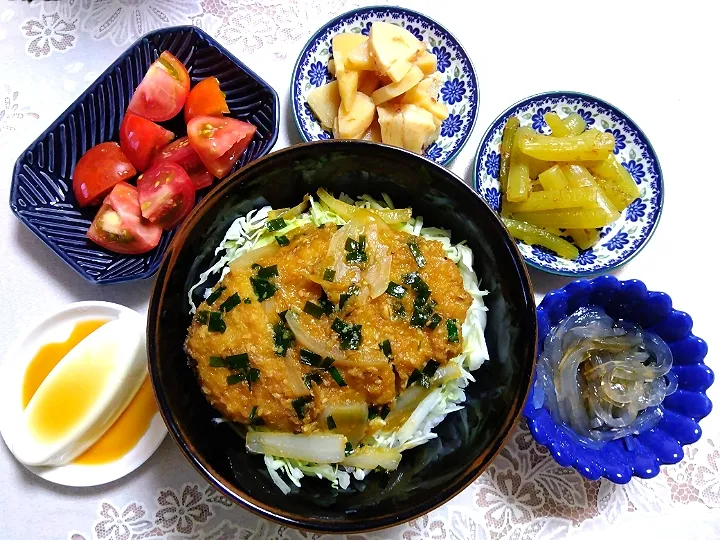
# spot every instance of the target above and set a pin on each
(658, 62)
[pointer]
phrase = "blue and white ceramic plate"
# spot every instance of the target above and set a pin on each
(623, 239)
(459, 90)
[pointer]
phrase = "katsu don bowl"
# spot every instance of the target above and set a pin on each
(341, 336)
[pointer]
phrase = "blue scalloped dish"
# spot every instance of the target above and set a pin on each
(639, 455)
(41, 195)
(625, 237)
(459, 91)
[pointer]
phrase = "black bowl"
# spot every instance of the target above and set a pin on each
(467, 440)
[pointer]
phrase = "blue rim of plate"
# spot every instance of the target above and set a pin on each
(651, 155)
(448, 35)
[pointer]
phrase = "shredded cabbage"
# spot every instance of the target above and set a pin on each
(249, 232)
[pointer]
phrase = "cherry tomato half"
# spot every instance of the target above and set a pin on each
(140, 139)
(163, 91)
(183, 154)
(166, 194)
(206, 99)
(219, 141)
(98, 170)
(118, 225)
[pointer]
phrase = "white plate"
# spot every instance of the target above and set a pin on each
(54, 328)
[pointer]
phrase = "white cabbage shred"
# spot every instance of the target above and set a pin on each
(249, 232)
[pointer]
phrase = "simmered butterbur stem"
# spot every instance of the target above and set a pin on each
(591, 145)
(536, 236)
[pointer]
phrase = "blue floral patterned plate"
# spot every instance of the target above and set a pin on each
(459, 90)
(638, 455)
(623, 239)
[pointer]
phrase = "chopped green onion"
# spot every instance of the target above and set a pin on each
(417, 254)
(356, 257)
(268, 272)
(283, 240)
(282, 315)
(329, 361)
(386, 349)
(255, 420)
(344, 297)
(202, 316)
(255, 266)
(230, 303)
(419, 377)
(299, 404)
(235, 378)
(422, 297)
(348, 448)
(335, 374)
(215, 295)
(452, 330)
(275, 224)
(350, 334)
(283, 338)
(331, 422)
(415, 281)
(216, 323)
(312, 377)
(434, 321)
(263, 288)
(373, 412)
(384, 411)
(398, 291)
(247, 300)
(238, 361)
(398, 311)
(216, 361)
(351, 245)
(362, 242)
(253, 374)
(329, 274)
(430, 368)
(325, 303)
(310, 358)
(313, 309)
(421, 315)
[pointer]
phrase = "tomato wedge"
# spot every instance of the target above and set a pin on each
(219, 141)
(166, 194)
(206, 99)
(163, 91)
(140, 139)
(118, 225)
(98, 170)
(181, 153)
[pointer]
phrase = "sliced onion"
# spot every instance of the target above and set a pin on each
(289, 213)
(246, 259)
(378, 273)
(307, 341)
(314, 448)
(370, 457)
(350, 419)
(405, 404)
(346, 211)
(294, 378)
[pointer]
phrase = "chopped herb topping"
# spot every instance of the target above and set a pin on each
(313, 309)
(356, 250)
(452, 330)
(398, 311)
(215, 295)
(263, 288)
(255, 266)
(331, 422)
(434, 321)
(216, 323)
(344, 297)
(275, 224)
(230, 303)
(335, 374)
(235, 378)
(415, 281)
(256, 420)
(386, 349)
(253, 374)
(417, 376)
(417, 254)
(216, 361)
(325, 303)
(300, 404)
(329, 274)
(350, 334)
(202, 316)
(398, 291)
(329, 361)
(283, 240)
(422, 297)
(377, 410)
(351, 245)
(348, 448)
(310, 358)
(362, 242)
(283, 337)
(238, 361)
(384, 411)
(430, 368)
(247, 300)
(267, 272)
(312, 377)
(421, 316)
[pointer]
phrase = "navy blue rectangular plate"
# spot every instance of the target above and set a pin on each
(41, 195)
